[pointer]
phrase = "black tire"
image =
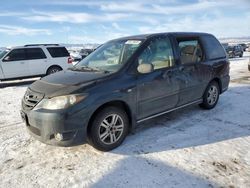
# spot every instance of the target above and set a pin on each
(53, 70)
(100, 136)
(249, 67)
(241, 55)
(211, 96)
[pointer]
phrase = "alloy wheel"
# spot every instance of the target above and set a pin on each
(111, 129)
(212, 95)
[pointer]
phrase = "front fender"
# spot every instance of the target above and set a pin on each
(127, 98)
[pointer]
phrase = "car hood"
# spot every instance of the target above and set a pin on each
(72, 77)
(65, 82)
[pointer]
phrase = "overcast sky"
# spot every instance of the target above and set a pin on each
(85, 21)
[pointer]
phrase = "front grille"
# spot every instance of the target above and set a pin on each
(31, 99)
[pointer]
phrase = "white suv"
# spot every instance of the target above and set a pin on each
(33, 60)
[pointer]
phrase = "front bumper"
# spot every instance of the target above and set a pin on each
(43, 125)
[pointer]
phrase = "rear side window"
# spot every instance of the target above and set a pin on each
(214, 49)
(190, 50)
(35, 53)
(16, 55)
(58, 51)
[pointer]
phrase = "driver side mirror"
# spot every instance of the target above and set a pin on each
(145, 68)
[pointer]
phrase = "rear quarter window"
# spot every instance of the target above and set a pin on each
(213, 48)
(58, 52)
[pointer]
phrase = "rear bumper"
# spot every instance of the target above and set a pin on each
(225, 83)
(44, 125)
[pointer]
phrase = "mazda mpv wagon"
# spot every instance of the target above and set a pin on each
(124, 82)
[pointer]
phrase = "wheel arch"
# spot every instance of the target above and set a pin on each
(54, 65)
(115, 103)
(218, 80)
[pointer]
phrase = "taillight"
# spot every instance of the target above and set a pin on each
(70, 60)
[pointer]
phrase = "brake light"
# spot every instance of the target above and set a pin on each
(70, 60)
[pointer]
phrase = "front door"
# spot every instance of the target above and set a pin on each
(157, 91)
(15, 64)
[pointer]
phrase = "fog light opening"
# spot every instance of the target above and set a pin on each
(58, 136)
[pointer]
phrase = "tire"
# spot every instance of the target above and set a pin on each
(211, 96)
(105, 135)
(249, 67)
(53, 70)
(241, 55)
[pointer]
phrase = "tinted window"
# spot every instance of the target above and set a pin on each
(58, 51)
(190, 51)
(213, 48)
(16, 55)
(3, 53)
(35, 53)
(159, 53)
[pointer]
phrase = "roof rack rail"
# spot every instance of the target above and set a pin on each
(41, 45)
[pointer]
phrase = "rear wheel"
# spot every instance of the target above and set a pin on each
(53, 70)
(108, 129)
(211, 96)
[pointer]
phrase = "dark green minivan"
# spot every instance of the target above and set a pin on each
(124, 82)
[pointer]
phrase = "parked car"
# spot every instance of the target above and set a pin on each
(33, 60)
(243, 46)
(234, 51)
(85, 52)
(125, 82)
(75, 55)
(248, 48)
(249, 64)
(225, 45)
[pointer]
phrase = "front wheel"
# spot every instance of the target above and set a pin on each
(211, 96)
(109, 128)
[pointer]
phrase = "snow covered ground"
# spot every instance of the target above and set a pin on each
(188, 148)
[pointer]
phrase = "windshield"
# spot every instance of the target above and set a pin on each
(2, 53)
(110, 57)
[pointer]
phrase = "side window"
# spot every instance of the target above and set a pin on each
(15, 55)
(214, 50)
(159, 53)
(35, 53)
(190, 50)
(58, 51)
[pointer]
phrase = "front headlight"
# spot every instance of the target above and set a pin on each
(61, 102)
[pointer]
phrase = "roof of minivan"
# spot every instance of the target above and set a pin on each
(176, 34)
